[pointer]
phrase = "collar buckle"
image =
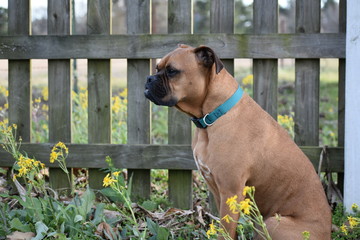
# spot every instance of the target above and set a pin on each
(204, 120)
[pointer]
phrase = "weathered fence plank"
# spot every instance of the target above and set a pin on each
(222, 21)
(179, 128)
(146, 156)
(99, 85)
(266, 70)
(138, 122)
(144, 46)
(59, 88)
(19, 72)
(307, 78)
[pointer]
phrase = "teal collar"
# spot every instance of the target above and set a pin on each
(211, 117)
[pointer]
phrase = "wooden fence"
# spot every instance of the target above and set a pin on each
(265, 46)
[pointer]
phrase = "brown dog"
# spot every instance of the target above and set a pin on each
(244, 147)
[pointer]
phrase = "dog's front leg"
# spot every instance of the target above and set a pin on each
(229, 224)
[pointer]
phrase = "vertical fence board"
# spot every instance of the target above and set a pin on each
(138, 122)
(19, 71)
(99, 85)
(59, 88)
(221, 21)
(307, 78)
(180, 182)
(266, 70)
(341, 94)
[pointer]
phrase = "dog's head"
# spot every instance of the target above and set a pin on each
(181, 75)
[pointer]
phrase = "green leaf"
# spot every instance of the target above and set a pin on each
(149, 205)
(153, 227)
(16, 224)
(163, 234)
(112, 195)
(99, 213)
(41, 230)
(78, 218)
(87, 201)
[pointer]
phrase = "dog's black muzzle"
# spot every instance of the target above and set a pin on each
(157, 92)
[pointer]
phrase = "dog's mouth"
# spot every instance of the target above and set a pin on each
(154, 97)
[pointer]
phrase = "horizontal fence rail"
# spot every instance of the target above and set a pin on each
(146, 156)
(145, 46)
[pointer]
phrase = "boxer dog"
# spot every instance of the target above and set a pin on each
(237, 144)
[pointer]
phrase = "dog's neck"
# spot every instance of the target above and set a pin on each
(220, 87)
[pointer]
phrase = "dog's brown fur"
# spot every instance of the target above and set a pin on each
(246, 147)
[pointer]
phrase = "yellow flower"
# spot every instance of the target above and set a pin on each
(124, 93)
(60, 146)
(6, 106)
(23, 171)
(248, 80)
(212, 230)
(108, 180)
(248, 190)
(53, 156)
(45, 93)
(227, 218)
(353, 221)
(116, 174)
(343, 228)
(45, 107)
(245, 206)
(37, 100)
(232, 203)
(354, 207)
(6, 93)
(306, 235)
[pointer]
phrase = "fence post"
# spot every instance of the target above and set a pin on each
(59, 88)
(180, 181)
(352, 101)
(99, 85)
(221, 21)
(138, 122)
(266, 70)
(307, 80)
(19, 72)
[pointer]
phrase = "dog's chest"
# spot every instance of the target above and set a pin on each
(201, 160)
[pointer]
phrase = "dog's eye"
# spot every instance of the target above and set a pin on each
(171, 71)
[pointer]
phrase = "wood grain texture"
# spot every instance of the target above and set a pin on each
(145, 156)
(59, 72)
(138, 122)
(221, 21)
(266, 70)
(179, 126)
(19, 81)
(307, 78)
(99, 85)
(144, 46)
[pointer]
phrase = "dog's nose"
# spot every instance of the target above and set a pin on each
(150, 79)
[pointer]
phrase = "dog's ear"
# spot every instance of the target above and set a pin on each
(208, 57)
